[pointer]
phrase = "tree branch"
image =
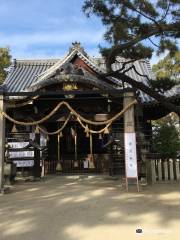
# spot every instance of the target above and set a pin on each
(117, 49)
(153, 43)
(160, 98)
(141, 13)
(124, 64)
(141, 75)
(166, 12)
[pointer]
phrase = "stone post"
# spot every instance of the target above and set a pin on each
(159, 170)
(171, 170)
(165, 166)
(2, 143)
(176, 170)
(151, 171)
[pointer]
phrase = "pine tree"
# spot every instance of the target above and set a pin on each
(136, 29)
(5, 60)
(166, 136)
(167, 73)
(168, 67)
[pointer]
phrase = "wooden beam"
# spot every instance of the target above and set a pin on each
(63, 92)
(2, 143)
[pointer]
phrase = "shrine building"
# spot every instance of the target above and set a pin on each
(66, 116)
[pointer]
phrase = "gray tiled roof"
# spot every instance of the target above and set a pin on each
(24, 74)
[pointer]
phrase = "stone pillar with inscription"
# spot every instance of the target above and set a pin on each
(2, 141)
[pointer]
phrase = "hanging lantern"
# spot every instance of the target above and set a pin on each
(100, 136)
(14, 129)
(47, 137)
(60, 134)
(106, 130)
(37, 130)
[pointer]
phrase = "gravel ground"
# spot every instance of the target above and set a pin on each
(89, 208)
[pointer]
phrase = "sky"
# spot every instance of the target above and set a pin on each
(34, 29)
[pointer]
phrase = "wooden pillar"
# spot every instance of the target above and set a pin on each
(2, 143)
(37, 168)
(129, 127)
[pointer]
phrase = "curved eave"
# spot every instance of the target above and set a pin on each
(70, 78)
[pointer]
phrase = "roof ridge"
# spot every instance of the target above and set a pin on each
(19, 63)
(38, 60)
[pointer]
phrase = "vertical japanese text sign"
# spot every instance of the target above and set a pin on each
(130, 155)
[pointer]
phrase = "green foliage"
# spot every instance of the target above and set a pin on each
(131, 24)
(5, 60)
(162, 84)
(167, 73)
(134, 30)
(167, 44)
(169, 67)
(166, 137)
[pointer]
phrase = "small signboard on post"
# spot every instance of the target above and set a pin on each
(24, 163)
(131, 158)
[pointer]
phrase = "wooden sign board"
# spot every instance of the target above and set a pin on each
(131, 157)
(24, 163)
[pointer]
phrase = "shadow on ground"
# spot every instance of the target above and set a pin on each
(88, 208)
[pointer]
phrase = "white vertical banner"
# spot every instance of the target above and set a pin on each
(130, 155)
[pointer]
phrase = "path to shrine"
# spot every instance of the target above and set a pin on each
(61, 208)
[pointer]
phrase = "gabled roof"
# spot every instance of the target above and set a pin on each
(28, 75)
(25, 73)
(75, 50)
(69, 73)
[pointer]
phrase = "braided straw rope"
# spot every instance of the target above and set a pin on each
(57, 131)
(103, 122)
(34, 122)
(72, 112)
(93, 131)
